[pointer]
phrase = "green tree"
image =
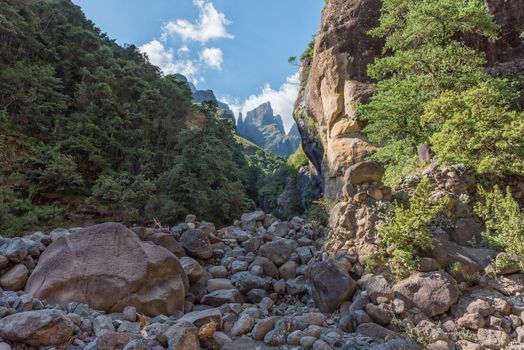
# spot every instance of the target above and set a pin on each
(476, 128)
(425, 57)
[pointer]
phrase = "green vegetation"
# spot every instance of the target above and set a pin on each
(87, 125)
(504, 221)
(298, 159)
(427, 59)
(407, 233)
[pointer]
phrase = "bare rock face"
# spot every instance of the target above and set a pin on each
(108, 267)
(336, 80)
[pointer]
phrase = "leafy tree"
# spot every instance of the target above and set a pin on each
(476, 128)
(425, 57)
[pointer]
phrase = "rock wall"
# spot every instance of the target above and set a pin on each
(336, 80)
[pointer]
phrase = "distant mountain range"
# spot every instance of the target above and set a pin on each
(266, 130)
(260, 126)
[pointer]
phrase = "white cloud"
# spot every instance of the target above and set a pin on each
(183, 49)
(165, 60)
(213, 57)
(282, 100)
(210, 25)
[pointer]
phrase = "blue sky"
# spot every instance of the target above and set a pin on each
(238, 48)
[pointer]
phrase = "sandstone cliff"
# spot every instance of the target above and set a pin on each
(336, 80)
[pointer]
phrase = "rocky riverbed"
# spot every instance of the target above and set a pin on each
(259, 284)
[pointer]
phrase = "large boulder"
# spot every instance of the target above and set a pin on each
(37, 328)
(363, 172)
(330, 285)
(433, 293)
(277, 251)
(108, 267)
(15, 278)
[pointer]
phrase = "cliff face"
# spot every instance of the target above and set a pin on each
(336, 80)
(266, 130)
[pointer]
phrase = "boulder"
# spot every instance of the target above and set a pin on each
(249, 220)
(277, 251)
(167, 241)
(37, 328)
(182, 336)
(196, 243)
(15, 278)
(15, 250)
(364, 172)
(433, 293)
(221, 297)
(245, 281)
(108, 267)
(114, 340)
(493, 339)
(330, 285)
(192, 268)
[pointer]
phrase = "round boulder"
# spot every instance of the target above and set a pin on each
(108, 267)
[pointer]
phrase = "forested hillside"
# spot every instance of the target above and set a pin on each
(90, 129)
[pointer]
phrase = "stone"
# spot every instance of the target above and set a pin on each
(38, 328)
(319, 344)
(262, 327)
(200, 318)
(245, 281)
(4, 262)
(102, 324)
(15, 278)
(472, 321)
(192, 268)
(305, 254)
(129, 313)
(15, 250)
(114, 340)
(196, 243)
(137, 344)
(441, 345)
(221, 297)
(167, 241)
(267, 265)
(376, 286)
(330, 285)
(296, 286)
(482, 307)
(493, 339)
(277, 251)
(307, 342)
(215, 284)
(182, 336)
(238, 266)
(314, 318)
(4, 346)
(364, 172)
(376, 331)
(288, 270)
(108, 267)
(243, 325)
(468, 232)
(378, 314)
(249, 220)
(218, 271)
(433, 292)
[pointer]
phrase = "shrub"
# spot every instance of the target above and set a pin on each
(318, 214)
(504, 221)
(407, 232)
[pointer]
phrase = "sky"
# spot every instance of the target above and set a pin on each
(237, 48)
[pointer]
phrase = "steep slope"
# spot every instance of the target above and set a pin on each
(335, 80)
(267, 131)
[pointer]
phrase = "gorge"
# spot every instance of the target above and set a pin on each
(138, 212)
